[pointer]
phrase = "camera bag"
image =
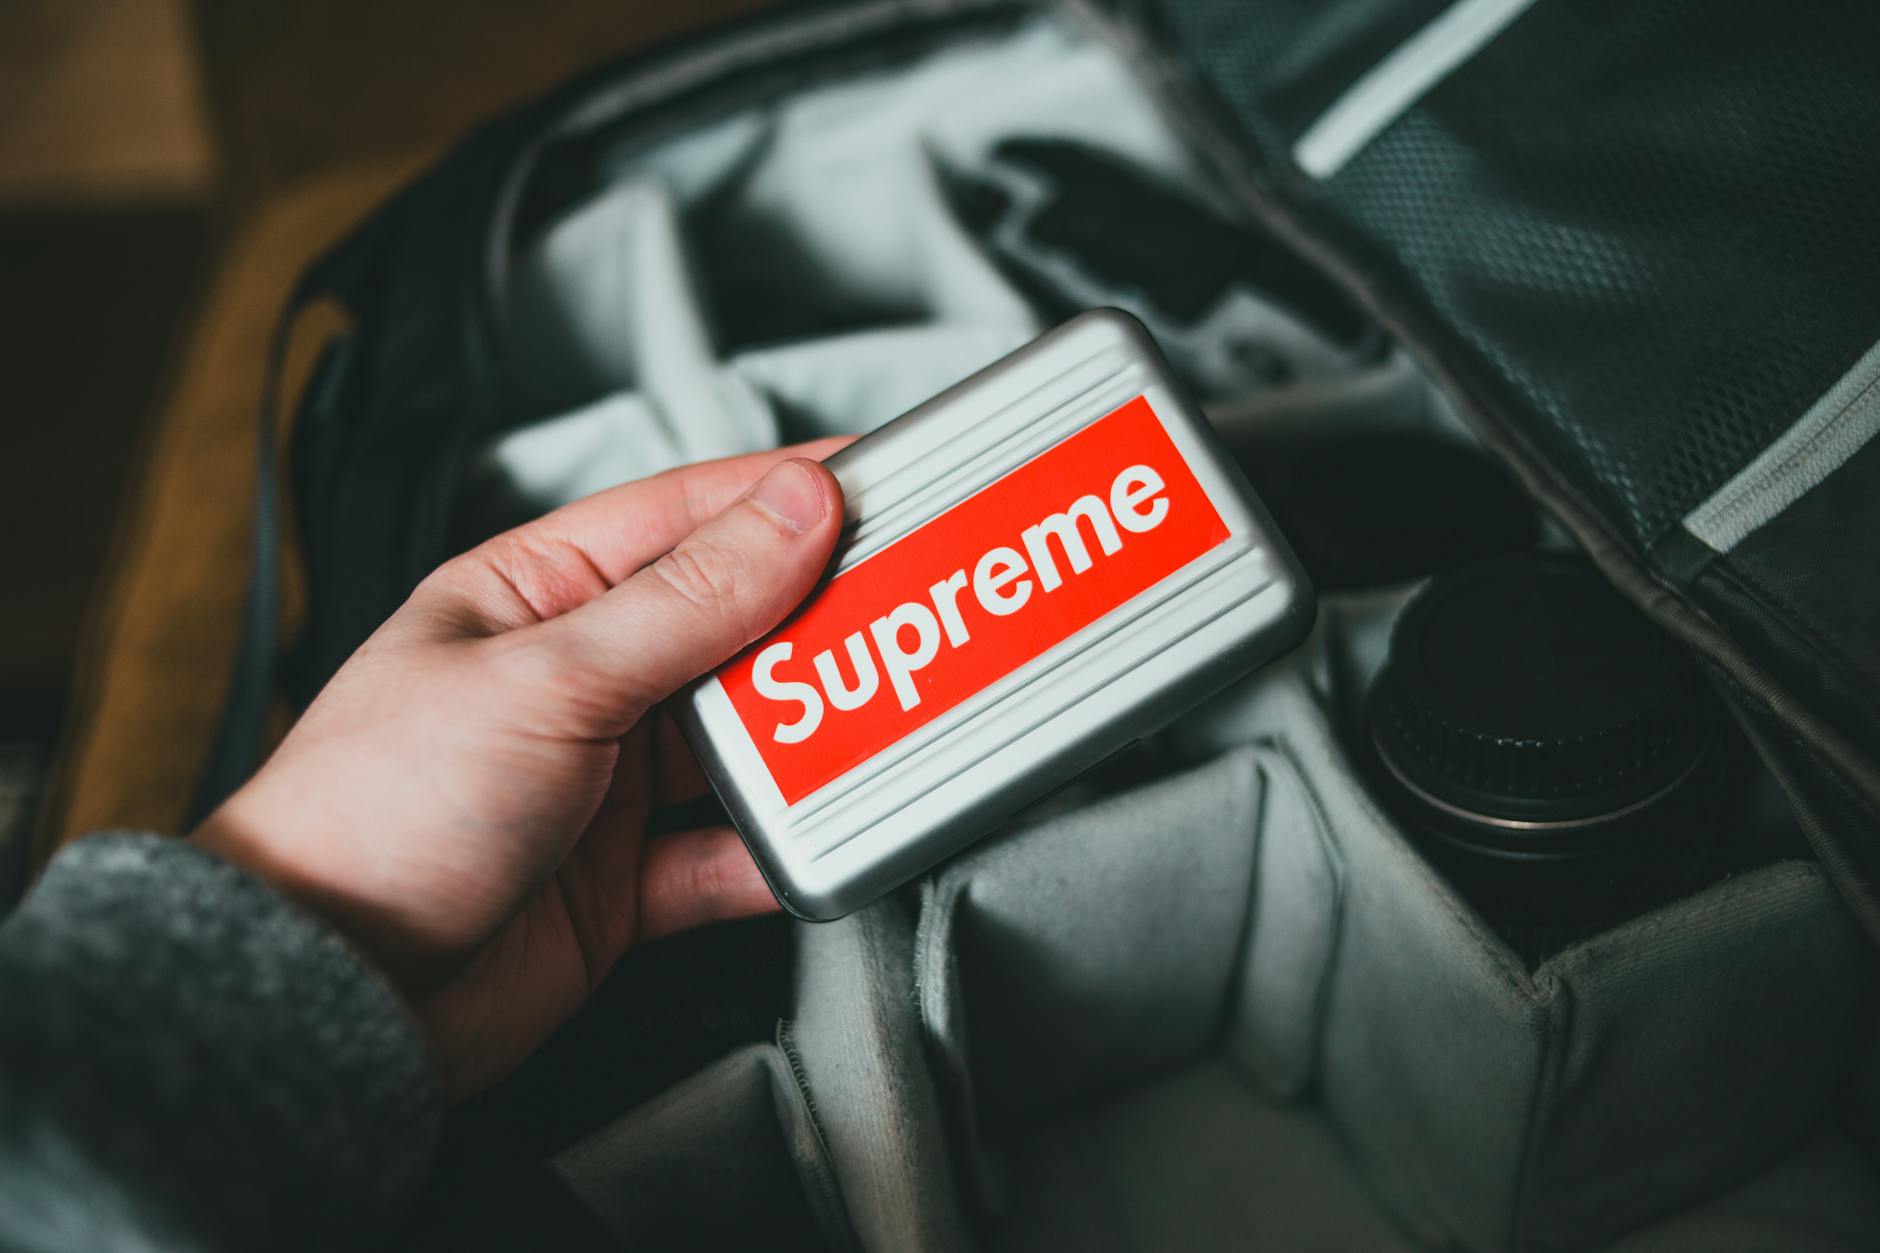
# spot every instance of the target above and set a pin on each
(1214, 998)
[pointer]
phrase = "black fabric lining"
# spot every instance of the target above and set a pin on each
(1280, 65)
(1137, 234)
(1839, 825)
(1820, 673)
(1815, 558)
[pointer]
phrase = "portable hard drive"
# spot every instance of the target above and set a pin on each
(1039, 565)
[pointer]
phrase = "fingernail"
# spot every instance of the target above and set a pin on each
(794, 493)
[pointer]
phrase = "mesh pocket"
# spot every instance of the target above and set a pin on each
(1644, 230)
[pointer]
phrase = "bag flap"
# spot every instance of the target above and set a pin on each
(1638, 242)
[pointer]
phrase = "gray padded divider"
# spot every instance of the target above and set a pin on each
(1099, 943)
(942, 1001)
(729, 1158)
(857, 1043)
(1435, 1034)
(1699, 1042)
(1284, 984)
(1197, 1160)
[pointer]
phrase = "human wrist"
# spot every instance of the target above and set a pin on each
(243, 838)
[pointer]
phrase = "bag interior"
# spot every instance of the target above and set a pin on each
(1307, 1038)
(1219, 1001)
(1215, 999)
(819, 263)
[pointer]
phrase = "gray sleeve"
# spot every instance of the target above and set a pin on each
(188, 1061)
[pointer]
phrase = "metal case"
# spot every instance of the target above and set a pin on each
(931, 791)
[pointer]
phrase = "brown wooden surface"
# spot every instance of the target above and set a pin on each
(106, 168)
(296, 87)
(100, 101)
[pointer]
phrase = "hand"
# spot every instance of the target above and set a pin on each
(467, 799)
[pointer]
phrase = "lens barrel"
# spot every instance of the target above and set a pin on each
(1552, 750)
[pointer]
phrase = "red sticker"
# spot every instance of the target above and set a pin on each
(949, 609)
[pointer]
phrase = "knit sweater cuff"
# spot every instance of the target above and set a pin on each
(174, 1025)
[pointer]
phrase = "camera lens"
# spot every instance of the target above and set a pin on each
(1551, 749)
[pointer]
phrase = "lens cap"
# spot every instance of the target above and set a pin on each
(1526, 698)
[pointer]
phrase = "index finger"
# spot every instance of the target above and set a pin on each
(624, 528)
(566, 558)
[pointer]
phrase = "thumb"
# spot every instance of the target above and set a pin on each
(725, 585)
